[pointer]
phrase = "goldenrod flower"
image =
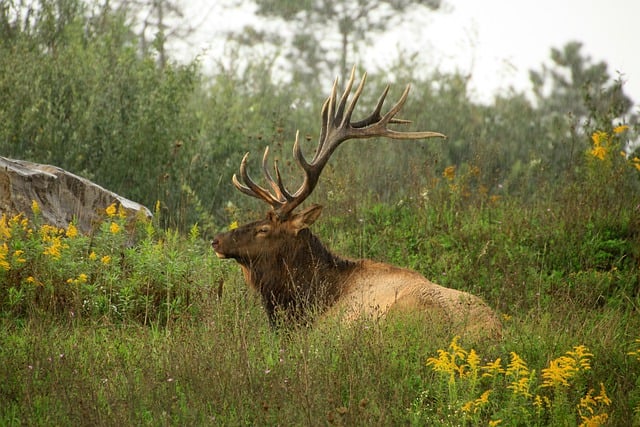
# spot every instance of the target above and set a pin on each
(494, 423)
(72, 231)
(449, 172)
(114, 228)
(4, 264)
(474, 405)
(520, 386)
(620, 129)
(635, 162)
(54, 250)
(111, 210)
(93, 256)
(599, 152)
(562, 369)
(17, 255)
(233, 225)
(580, 356)
(106, 260)
(518, 370)
(443, 363)
(591, 408)
(493, 369)
(5, 230)
(473, 360)
(598, 137)
(517, 367)
(35, 208)
(541, 402)
(559, 372)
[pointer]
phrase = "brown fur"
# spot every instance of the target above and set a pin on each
(297, 276)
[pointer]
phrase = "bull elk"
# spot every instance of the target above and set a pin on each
(296, 275)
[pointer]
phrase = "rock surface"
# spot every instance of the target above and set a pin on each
(61, 195)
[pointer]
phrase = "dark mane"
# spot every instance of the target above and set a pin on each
(301, 279)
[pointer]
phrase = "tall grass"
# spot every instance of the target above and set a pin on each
(144, 326)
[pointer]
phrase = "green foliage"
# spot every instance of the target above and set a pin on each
(127, 271)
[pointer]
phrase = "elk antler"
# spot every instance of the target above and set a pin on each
(337, 127)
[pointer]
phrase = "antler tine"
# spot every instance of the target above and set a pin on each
(280, 194)
(345, 96)
(252, 189)
(346, 122)
(328, 107)
(389, 118)
(375, 114)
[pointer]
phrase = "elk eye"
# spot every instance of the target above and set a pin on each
(264, 229)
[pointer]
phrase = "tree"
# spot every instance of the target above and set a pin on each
(574, 84)
(164, 19)
(326, 33)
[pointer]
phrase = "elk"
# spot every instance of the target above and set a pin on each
(298, 278)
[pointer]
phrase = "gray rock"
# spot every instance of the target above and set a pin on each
(61, 195)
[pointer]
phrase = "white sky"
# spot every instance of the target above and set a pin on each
(496, 41)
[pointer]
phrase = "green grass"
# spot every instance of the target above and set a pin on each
(141, 326)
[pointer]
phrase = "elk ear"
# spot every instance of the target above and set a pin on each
(304, 219)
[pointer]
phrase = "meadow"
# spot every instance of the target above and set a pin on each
(137, 324)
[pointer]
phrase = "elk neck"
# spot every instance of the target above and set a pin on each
(299, 276)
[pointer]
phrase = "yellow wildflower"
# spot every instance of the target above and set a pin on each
(541, 401)
(72, 231)
(114, 228)
(580, 355)
(93, 256)
(518, 370)
(494, 423)
(635, 162)
(517, 367)
(48, 232)
(559, 372)
(5, 230)
(111, 210)
(449, 172)
(562, 369)
(591, 408)
(4, 264)
(54, 250)
(620, 129)
(599, 152)
(106, 260)
(233, 225)
(475, 405)
(473, 360)
(17, 255)
(82, 278)
(493, 369)
(598, 137)
(520, 386)
(443, 363)
(35, 208)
